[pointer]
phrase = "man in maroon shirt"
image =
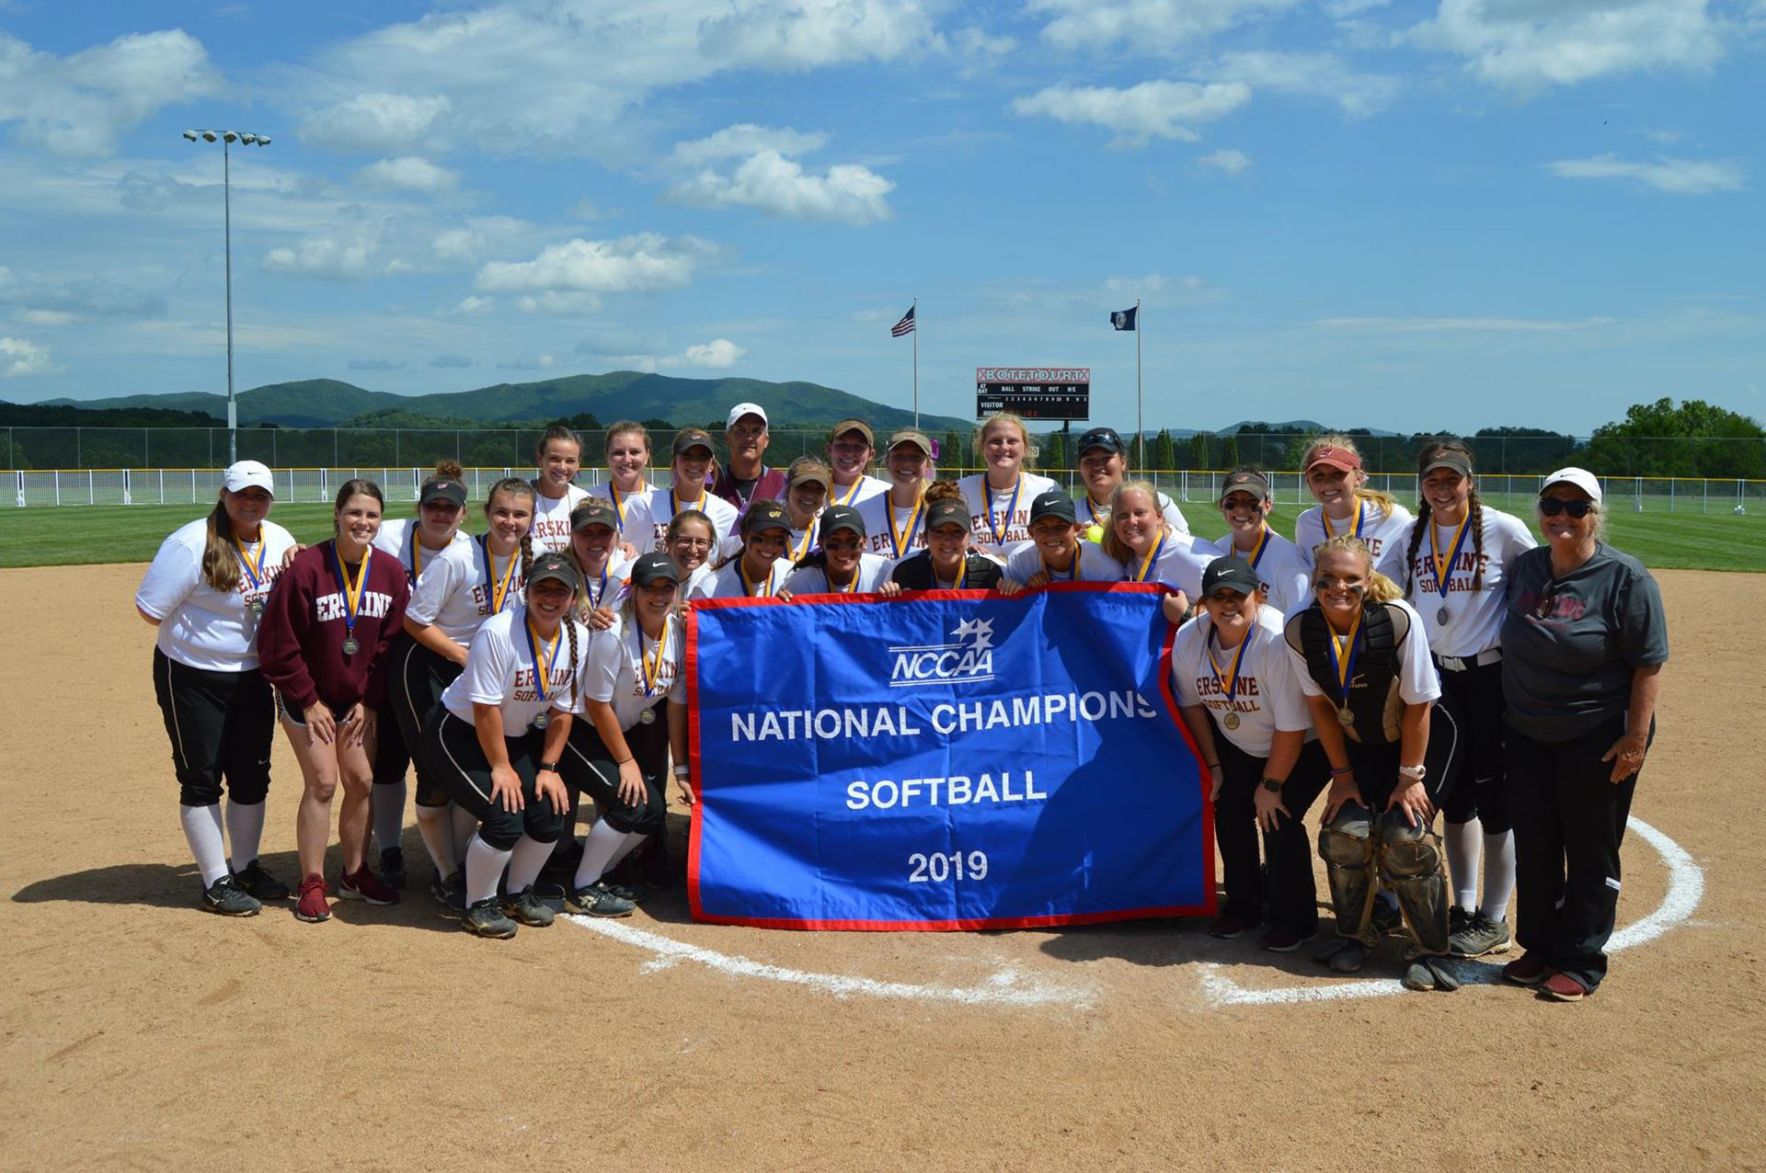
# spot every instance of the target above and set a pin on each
(745, 478)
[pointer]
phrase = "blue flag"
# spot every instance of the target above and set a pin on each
(951, 760)
(1124, 319)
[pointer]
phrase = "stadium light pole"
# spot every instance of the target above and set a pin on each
(227, 138)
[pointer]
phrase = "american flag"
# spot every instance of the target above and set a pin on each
(905, 326)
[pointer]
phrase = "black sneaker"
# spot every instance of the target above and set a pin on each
(227, 898)
(1458, 920)
(1387, 920)
(529, 909)
(1479, 936)
(261, 884)
(486, 919)
(450, 892)
(598, 900)
(392, 867)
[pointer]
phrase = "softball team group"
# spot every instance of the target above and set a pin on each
(1400, 666)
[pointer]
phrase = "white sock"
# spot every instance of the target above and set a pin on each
(202, 830)
(245, 830)
(524, 867)
(598, 851)
(437, 833)
(389, 814)
(1499, 874)
(465, 827)
(632, 839)
(1462, 861)
(484, 867)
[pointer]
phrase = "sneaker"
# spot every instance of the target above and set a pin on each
(1387, 919)
(310, 904)
(261, 884)
(1458, 920)
(596, 900)
(363, 884)
(449, 891)
(1283, 941)
(486, 919)
(227, 898)
(1478, 936)
(623, 892)
(1230, 926)
(528, 908)
(1341, 954)
(392, 868)
(1526, 970)
(1561, 987)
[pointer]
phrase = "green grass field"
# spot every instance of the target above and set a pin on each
(76, 534)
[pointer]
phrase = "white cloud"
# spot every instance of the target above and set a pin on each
(1228, 160)
(734, 142)
(1321, 74)
(643, 263)
(340, 258)
(1158, 25)
(472, 307)
(800, 34)
(82, 104)
(1152, 109)
(48, 301)
(778, 186)
(20, 359)
(554, 302)
(1345, 9)
(718, 354)
(479, 237)
(1678, 176)
(539, 362)
(1529, 45)
(45, 317)
(375, 121)
(407, 173)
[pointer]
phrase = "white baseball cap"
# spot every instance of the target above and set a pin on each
(249, 474)
(742, 409)
(1580, 477)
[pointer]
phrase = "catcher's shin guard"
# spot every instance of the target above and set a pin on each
(1411, 866)
(1346, 845)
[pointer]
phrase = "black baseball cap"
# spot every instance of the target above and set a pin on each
(689, 438)
(765, 515)
(594, 511)
(1233, 574)
(949, 511)
(442, 489)
(1052, 503)
(557, 566)
(842, 517)
(654, 566)
(1105, 438)
(1247, 480)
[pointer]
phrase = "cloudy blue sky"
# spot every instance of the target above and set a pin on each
(1406, 215)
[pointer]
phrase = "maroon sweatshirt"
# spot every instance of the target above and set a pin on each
(300, 641)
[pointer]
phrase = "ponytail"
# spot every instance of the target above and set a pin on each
(526, 556)
(1423, 520)
(570, 628)
(220, 562)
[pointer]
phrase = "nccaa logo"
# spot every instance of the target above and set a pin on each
(968, 660)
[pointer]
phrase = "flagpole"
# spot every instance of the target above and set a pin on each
(916, 308)
(1140, 431)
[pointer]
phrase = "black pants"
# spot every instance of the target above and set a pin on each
(1291, 893)
(588, 766)
(416, 679)
(221, 725)
(1474, 698)
(1376, 763)
(1569, 821)
(453, 751)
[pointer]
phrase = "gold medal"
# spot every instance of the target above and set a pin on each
(350, 646)
(648, 716)
(1346, 716)
(542, 720)
(1232, 721)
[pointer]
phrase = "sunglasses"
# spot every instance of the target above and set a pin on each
(1552, 506)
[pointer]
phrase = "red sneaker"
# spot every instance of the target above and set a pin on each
(1561, 987)
(365, 885)
(1526, 970)
(310, 903)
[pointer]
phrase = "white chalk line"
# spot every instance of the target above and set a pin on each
(1005, 988)
(1686, 887)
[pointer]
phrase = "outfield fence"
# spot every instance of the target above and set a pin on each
(198, 486)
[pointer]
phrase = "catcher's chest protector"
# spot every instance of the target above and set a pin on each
(1373, 692)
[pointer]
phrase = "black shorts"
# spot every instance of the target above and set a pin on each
(451, 746)
(587, 765)
(414, 685)
(288, 711)
(220, 725)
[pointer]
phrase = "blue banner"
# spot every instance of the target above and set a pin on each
(948, 760)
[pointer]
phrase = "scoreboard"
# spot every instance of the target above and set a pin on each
(1036, 393)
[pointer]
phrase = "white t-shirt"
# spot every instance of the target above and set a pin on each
(500, 671)
(858, 492)
(873, 569)
(1474, 618)
(397, 537)
(605, 588)
(1093, 565)
(451, 594)
(659, 509)
(879, 513)
(623, 504)
(1417, 681)
(1266, 697)
(1286, 578)
(551, 518)
(801, 543)
(616, 673)
(199, 626)
(1005, 529)
(1167, 507)
(1379, 530)
(1179, 563)
(727, 583)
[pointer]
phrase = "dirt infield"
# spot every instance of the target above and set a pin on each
(137, 1032)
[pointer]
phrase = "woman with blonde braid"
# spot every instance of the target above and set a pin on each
(1346, 505)
(594, 537)
(1457, 557)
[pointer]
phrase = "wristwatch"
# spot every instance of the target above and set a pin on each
(1273, 785)
(683, 771)
(1414, 773)
(548, 766)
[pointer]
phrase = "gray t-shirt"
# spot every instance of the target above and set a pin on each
(1570, 645)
